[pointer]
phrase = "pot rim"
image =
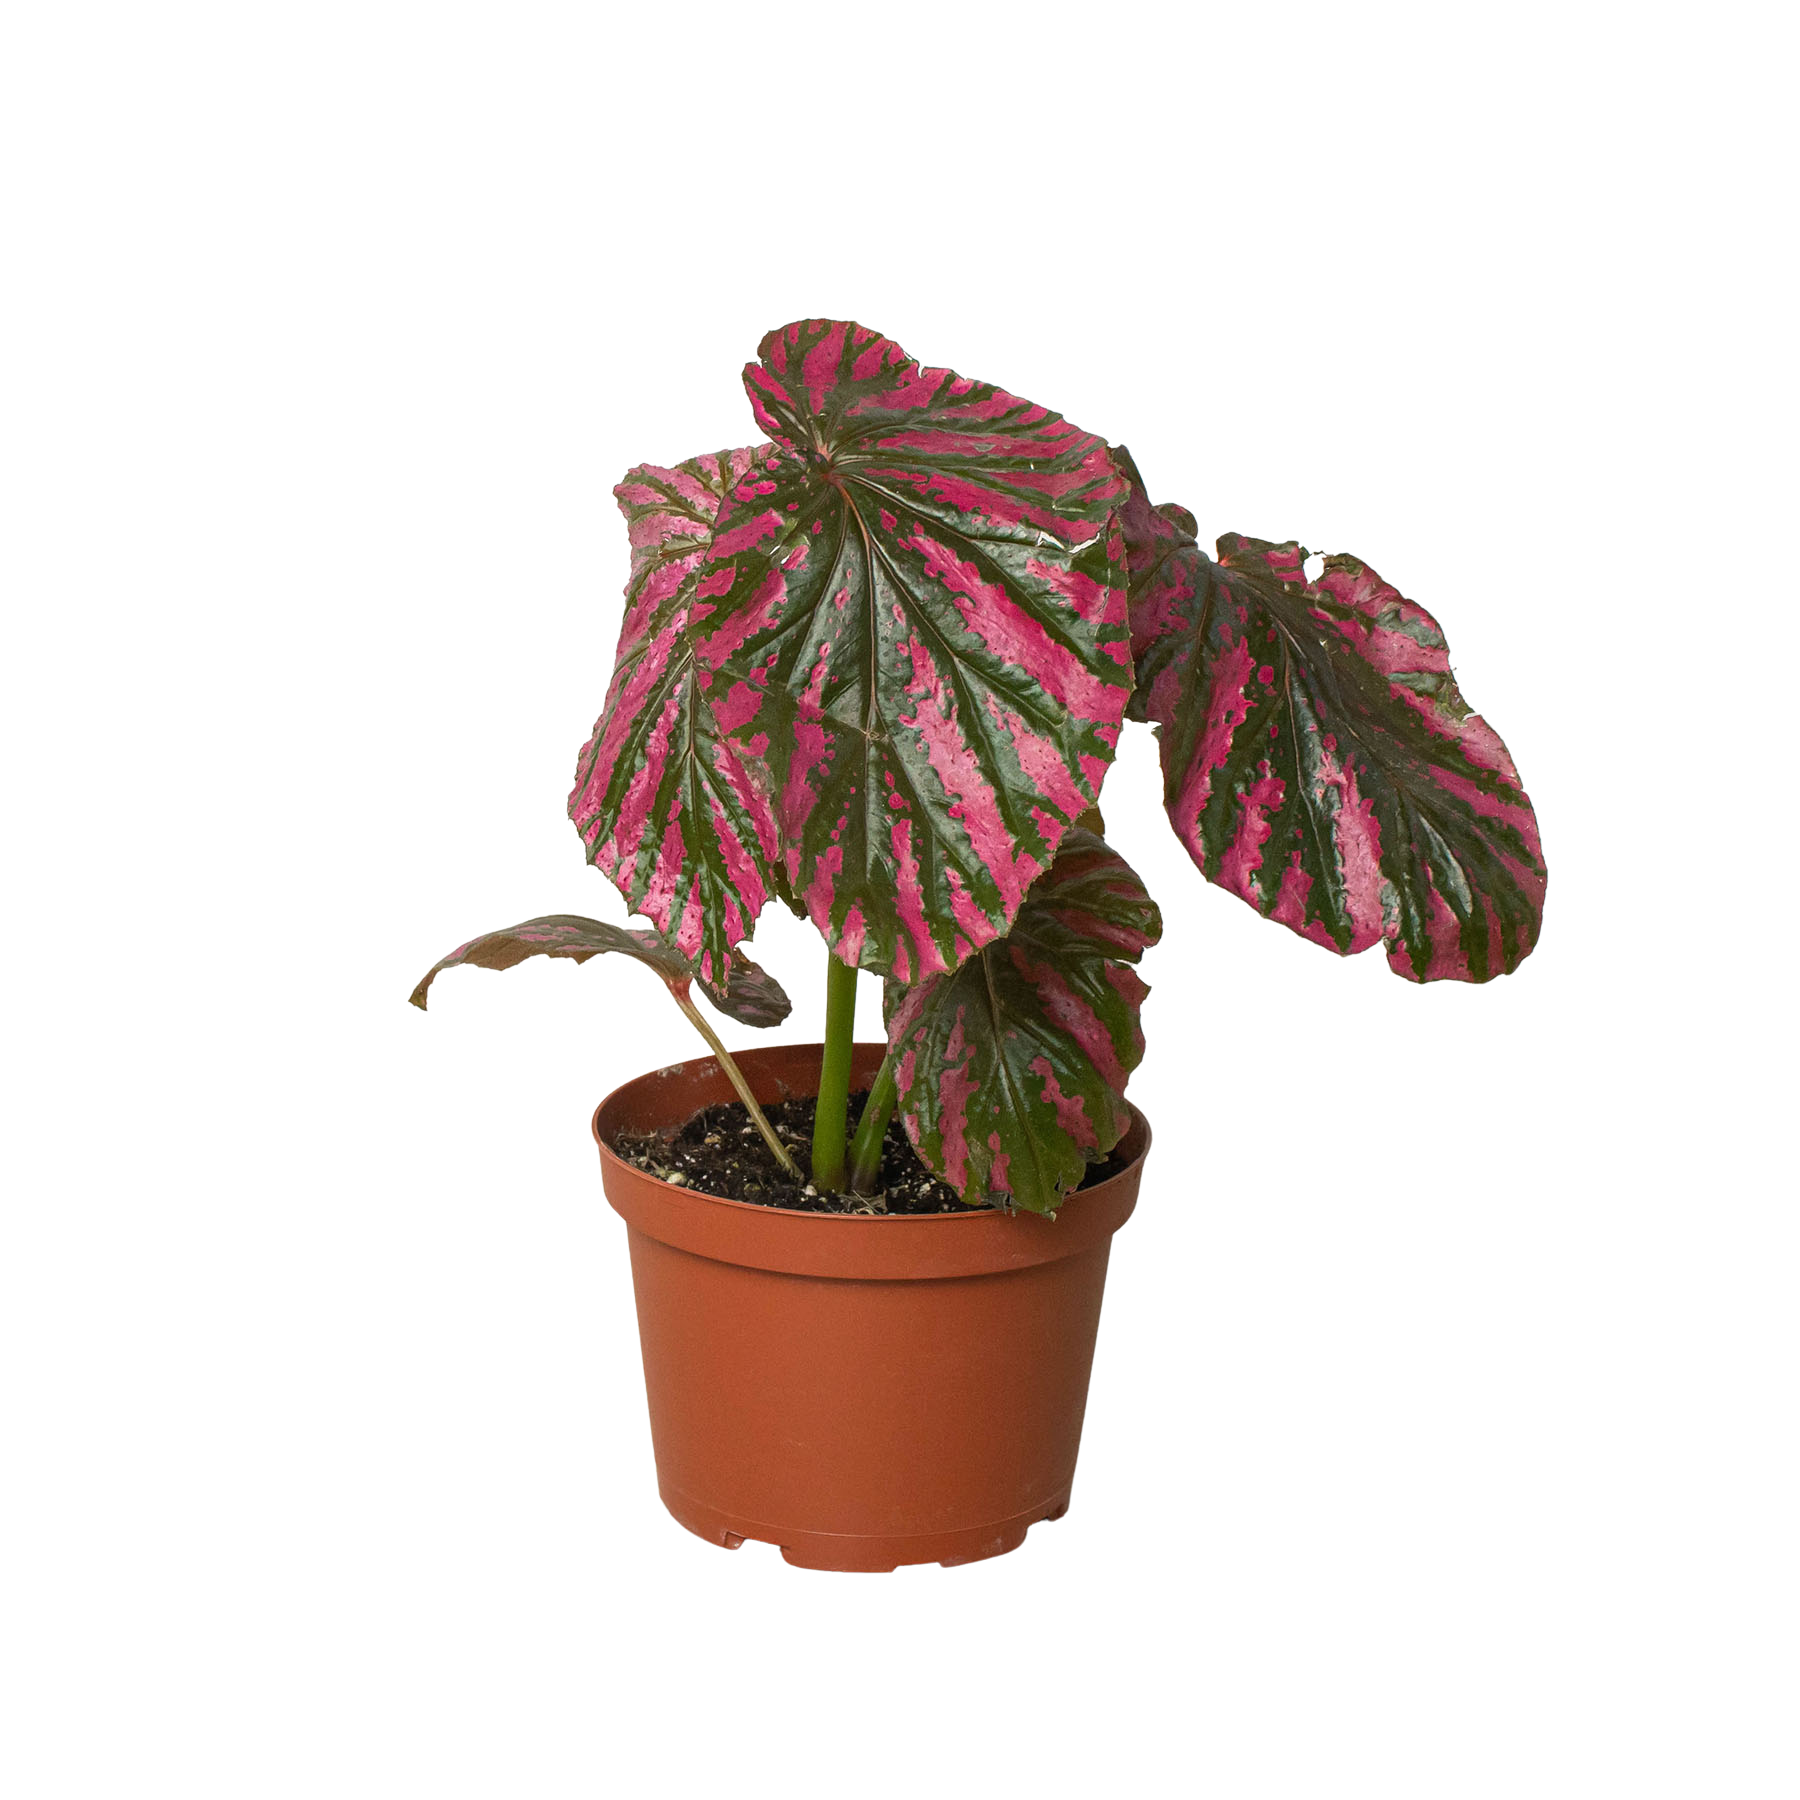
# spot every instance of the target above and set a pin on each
(1139, 1129)
(850, 1246)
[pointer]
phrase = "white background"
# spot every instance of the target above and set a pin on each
(1442, 1435)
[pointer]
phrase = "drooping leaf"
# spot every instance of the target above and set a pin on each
(918, 606)
(1318, 759)
(669, 804)
(1012, 1068)
(752, 998)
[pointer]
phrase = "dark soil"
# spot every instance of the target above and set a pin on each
(720, 1152)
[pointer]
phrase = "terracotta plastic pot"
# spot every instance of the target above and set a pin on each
(863, 1392)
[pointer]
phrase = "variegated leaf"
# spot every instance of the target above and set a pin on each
(1164, 569)
(752, 998)
(918, 607)
(668, 803)
(1012, 1068)
(1318, 759)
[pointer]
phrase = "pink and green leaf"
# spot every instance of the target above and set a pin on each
(1318, 758)
(1011, 1069)
(670, 802)
(915, 606)
(751, 996)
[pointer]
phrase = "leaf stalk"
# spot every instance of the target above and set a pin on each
(735, 1076)
(830, 1122)
(865, 1151)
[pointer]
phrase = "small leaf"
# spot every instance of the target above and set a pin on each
(1318, 759)
(1012, 1068)
(918, 605)
(671, 806)
(753, 998)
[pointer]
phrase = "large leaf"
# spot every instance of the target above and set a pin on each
(669, 804)
(1012, 1068)
(1318, 759)
(752, 998)
(918, 605)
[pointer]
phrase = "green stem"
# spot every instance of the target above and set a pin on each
(735, 1076)
(865, 1152)
(834, 1077)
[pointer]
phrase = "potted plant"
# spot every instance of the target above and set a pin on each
(875, 667)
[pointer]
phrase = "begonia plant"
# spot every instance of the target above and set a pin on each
(875, 667)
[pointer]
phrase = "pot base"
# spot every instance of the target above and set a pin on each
(846, 1554)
